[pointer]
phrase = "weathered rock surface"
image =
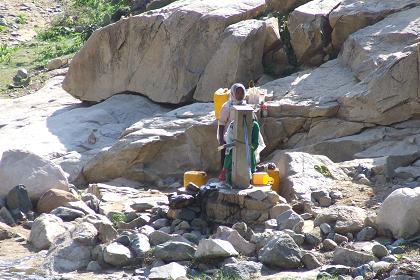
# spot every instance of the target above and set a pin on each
(172, 270)
(238, 242)
(117, 255)
(281, 252)
(174, 251)
(159, 147)
(6, 231)
(243, 270)
(72, 250)
(66, 131)
(399, 213)
(352, 15)
(346, 218)
(54, 198)
(237, 59)
(310, 30)
(37, 174)
(215, 248)
(350, 257)
(176, 48)
(45, 230)
(299, 176)
(290, 220)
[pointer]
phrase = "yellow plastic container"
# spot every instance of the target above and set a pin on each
(261, 178)
(197, 177)
(221, 96)
(275, 174)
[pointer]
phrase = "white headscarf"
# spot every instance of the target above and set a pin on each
(233, 90)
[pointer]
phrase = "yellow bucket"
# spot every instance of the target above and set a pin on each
(261, 178)
(221, 96)
(275, 174)
(197, 177)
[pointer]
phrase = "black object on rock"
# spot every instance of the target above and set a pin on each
(18, 198)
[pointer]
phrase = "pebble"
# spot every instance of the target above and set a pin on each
(379, 251)
(328, 245)
(325, 228)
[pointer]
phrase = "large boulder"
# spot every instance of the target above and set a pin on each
(45, 229)
(384, 58)
(359, 86)
(166, 62)
(238, 58)
(399, 213)
(352, 15)
(160, 147)
(54, 198)
(67, 131)
(37, 174)
(302, 174)
(310, 30)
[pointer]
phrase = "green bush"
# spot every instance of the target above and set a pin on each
(21, 19)
(6, 53)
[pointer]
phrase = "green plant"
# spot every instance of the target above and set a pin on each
(118, 217)
(323, 170)
(3, 28)
(21, 19)
(6, 53)
(285, 37)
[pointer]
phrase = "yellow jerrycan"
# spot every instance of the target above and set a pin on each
(261, 178)
(275, 174)
(221, 96)
(197, 177)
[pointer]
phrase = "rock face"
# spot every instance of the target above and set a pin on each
(36, 173)
(399, 213)
(45, 229)
(171, 270)
(159, 147)
(300, 176)
(310, 30)
(352, 15)
(169, 57)
(238, 58)
(281, 252)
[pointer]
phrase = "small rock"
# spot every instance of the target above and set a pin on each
(6, 217)
(117, 255)
(139, 244)
(193, 188)
(242, 270)
(245, 231)
(54, 198)
(325, 201)
(181, 201)
(174, 251)
(160, 223)
(397, 251)
(169, 271)
(182, 214)
(146, 230)
(93, 266)
(22, 73)
(306, 216)
(142, 206)
(158, 237)
(55, 63)
(183, 225)
(390, 259)
(279, 209)
(215, 248)
(271, 224)
(257, 194)
(366, 234)
(290, 220)
(123, 240)
(339, 239)
(350, 257)
(361, 178)
(281, 252)
(310, 261)
(328, 245)
(325, 228)
(336, 195)
(67, 214)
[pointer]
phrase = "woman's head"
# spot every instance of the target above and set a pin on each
(237, 92)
